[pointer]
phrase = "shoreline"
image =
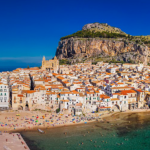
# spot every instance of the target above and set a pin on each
(137, 111)
(44, 127)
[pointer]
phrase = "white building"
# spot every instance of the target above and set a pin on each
(4, 96)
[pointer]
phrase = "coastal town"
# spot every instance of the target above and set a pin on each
(57, 95)
(74, 75)
(76, 89)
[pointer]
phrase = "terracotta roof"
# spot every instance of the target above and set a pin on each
(65, 100)
(114, 99)
(78, 104)
(104, 96)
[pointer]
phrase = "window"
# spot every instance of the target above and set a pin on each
(124, 96)
(5, 94)
(1, 94)
(124, 102)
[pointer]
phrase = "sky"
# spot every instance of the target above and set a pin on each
(31, 29)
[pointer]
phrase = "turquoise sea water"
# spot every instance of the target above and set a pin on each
(123, 132)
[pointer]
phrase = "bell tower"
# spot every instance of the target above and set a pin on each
(43, 62)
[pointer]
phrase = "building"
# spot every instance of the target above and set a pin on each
(50, 65)
(4, 96)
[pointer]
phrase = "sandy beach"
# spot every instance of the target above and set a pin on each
(13, 121)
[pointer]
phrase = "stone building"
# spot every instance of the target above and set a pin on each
(50, 65)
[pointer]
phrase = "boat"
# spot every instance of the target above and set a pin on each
(41, 131)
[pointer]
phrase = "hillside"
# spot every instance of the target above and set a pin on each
(101, 42)
(97, 30)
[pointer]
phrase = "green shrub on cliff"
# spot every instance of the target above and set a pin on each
(92, 34)
(115, 61)
(64, 62)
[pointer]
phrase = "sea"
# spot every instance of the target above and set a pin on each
(121, 131)
(11, 67)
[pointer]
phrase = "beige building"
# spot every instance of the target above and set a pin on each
(50, 65)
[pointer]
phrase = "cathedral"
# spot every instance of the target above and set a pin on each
(50, 65)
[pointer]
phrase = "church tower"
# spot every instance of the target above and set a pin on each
(43, 62)
(43, 58)
(55, 58)
(50, 65)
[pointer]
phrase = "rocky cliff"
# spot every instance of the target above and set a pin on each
(121, 49)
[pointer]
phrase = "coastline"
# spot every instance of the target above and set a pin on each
(103, 117)
(137, 110)
(108, 133)
(44, 126)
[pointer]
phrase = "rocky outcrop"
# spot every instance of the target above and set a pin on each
(102, 27)
(94, 25)
(79, 48)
